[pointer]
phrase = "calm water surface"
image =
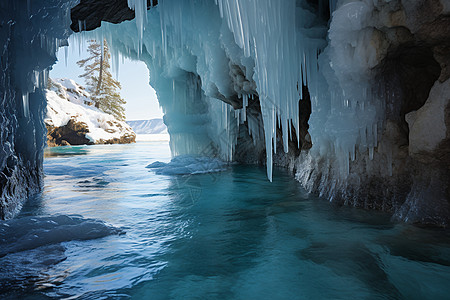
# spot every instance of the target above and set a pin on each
(227, 235)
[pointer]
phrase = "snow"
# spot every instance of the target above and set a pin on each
(153, 126)
(71, 91)
(188, 165)
(66, 100)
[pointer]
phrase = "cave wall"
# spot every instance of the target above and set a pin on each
(30, 33)
(409, 171)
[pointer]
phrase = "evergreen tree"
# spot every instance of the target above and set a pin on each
(100, 83)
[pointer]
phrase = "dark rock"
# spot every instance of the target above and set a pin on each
(92, 12)
(73, 133)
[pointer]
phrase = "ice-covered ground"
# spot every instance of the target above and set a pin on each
(67, 100)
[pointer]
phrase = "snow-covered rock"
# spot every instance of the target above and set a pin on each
(73, 120)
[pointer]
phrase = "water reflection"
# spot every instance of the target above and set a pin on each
(65, 151)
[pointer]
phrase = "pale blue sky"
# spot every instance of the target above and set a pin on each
(142, 103)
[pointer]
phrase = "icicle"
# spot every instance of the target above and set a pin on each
(45, 77)
(140, 10)
(26, 106)
(244, 107)
(285, 129)
(353, 153)
(66, 55)
(115, 57)
(35, 79)
(282, 57)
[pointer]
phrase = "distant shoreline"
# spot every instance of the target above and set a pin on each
(158, 137)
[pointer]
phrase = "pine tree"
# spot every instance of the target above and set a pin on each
(100, 83)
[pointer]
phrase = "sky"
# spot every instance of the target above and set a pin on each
(142, 103)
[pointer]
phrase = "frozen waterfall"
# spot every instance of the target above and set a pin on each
(200, 52)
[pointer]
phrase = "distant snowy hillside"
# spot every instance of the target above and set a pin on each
(153, 126)
(73, 120)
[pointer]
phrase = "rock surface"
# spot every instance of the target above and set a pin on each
(89, 14)
(409, 175)
(427, 126)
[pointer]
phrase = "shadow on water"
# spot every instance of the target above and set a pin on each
(65, 151)
(34, 206)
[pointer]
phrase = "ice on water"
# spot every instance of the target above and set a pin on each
(188, 165)
(30, 245)
(29, 233)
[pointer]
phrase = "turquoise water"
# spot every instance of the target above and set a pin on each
(227, 235)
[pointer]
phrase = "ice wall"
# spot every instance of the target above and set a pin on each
(30, 34)
(203, 79)
(221, 67)
(243, 48)
(186, 48)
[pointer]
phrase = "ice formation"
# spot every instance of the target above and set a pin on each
(231, 71)
(200, 52)
(188, 165)
(29, 233)
(29, 245)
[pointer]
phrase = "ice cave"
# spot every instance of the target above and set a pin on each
(351, 97)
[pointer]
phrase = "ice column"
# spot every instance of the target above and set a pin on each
(265, 30)
(140, 10)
